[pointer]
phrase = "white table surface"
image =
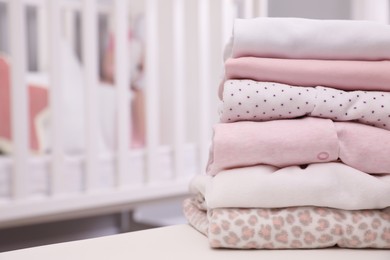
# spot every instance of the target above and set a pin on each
(175, 242)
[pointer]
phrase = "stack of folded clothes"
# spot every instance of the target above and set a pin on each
(301, 158)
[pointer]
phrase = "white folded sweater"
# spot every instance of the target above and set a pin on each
(298, 38)
(333, 185)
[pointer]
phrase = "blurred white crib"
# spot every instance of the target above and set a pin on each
(57, 185)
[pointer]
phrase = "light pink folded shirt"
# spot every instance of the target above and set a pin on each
(339, 74)
(309, 140)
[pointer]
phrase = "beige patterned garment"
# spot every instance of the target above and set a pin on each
(294, 227)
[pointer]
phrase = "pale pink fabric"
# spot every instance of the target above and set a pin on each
(37, 100)
(339, 74)
(284, 143)
(5, 113)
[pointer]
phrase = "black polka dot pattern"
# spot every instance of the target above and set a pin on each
(366, 107)
(267, 101)
(262, 101)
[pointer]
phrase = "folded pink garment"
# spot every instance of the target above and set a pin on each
(339, 74)
(294, 227)
(284, 143)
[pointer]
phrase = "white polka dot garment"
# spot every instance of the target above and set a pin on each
(247, 100)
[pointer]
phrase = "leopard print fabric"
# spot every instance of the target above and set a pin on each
(294, 227)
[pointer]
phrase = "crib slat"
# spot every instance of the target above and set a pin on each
(69, 18)
(122, 84)
(19, 100)
(262, 8)
(371, 10)
(204, 79)
(227, 21)
(179, 87)
(248, 8)
(89, 26)
(152, 89)
(42, 38)
(57, 152)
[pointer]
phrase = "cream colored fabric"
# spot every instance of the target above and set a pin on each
(334, 185)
